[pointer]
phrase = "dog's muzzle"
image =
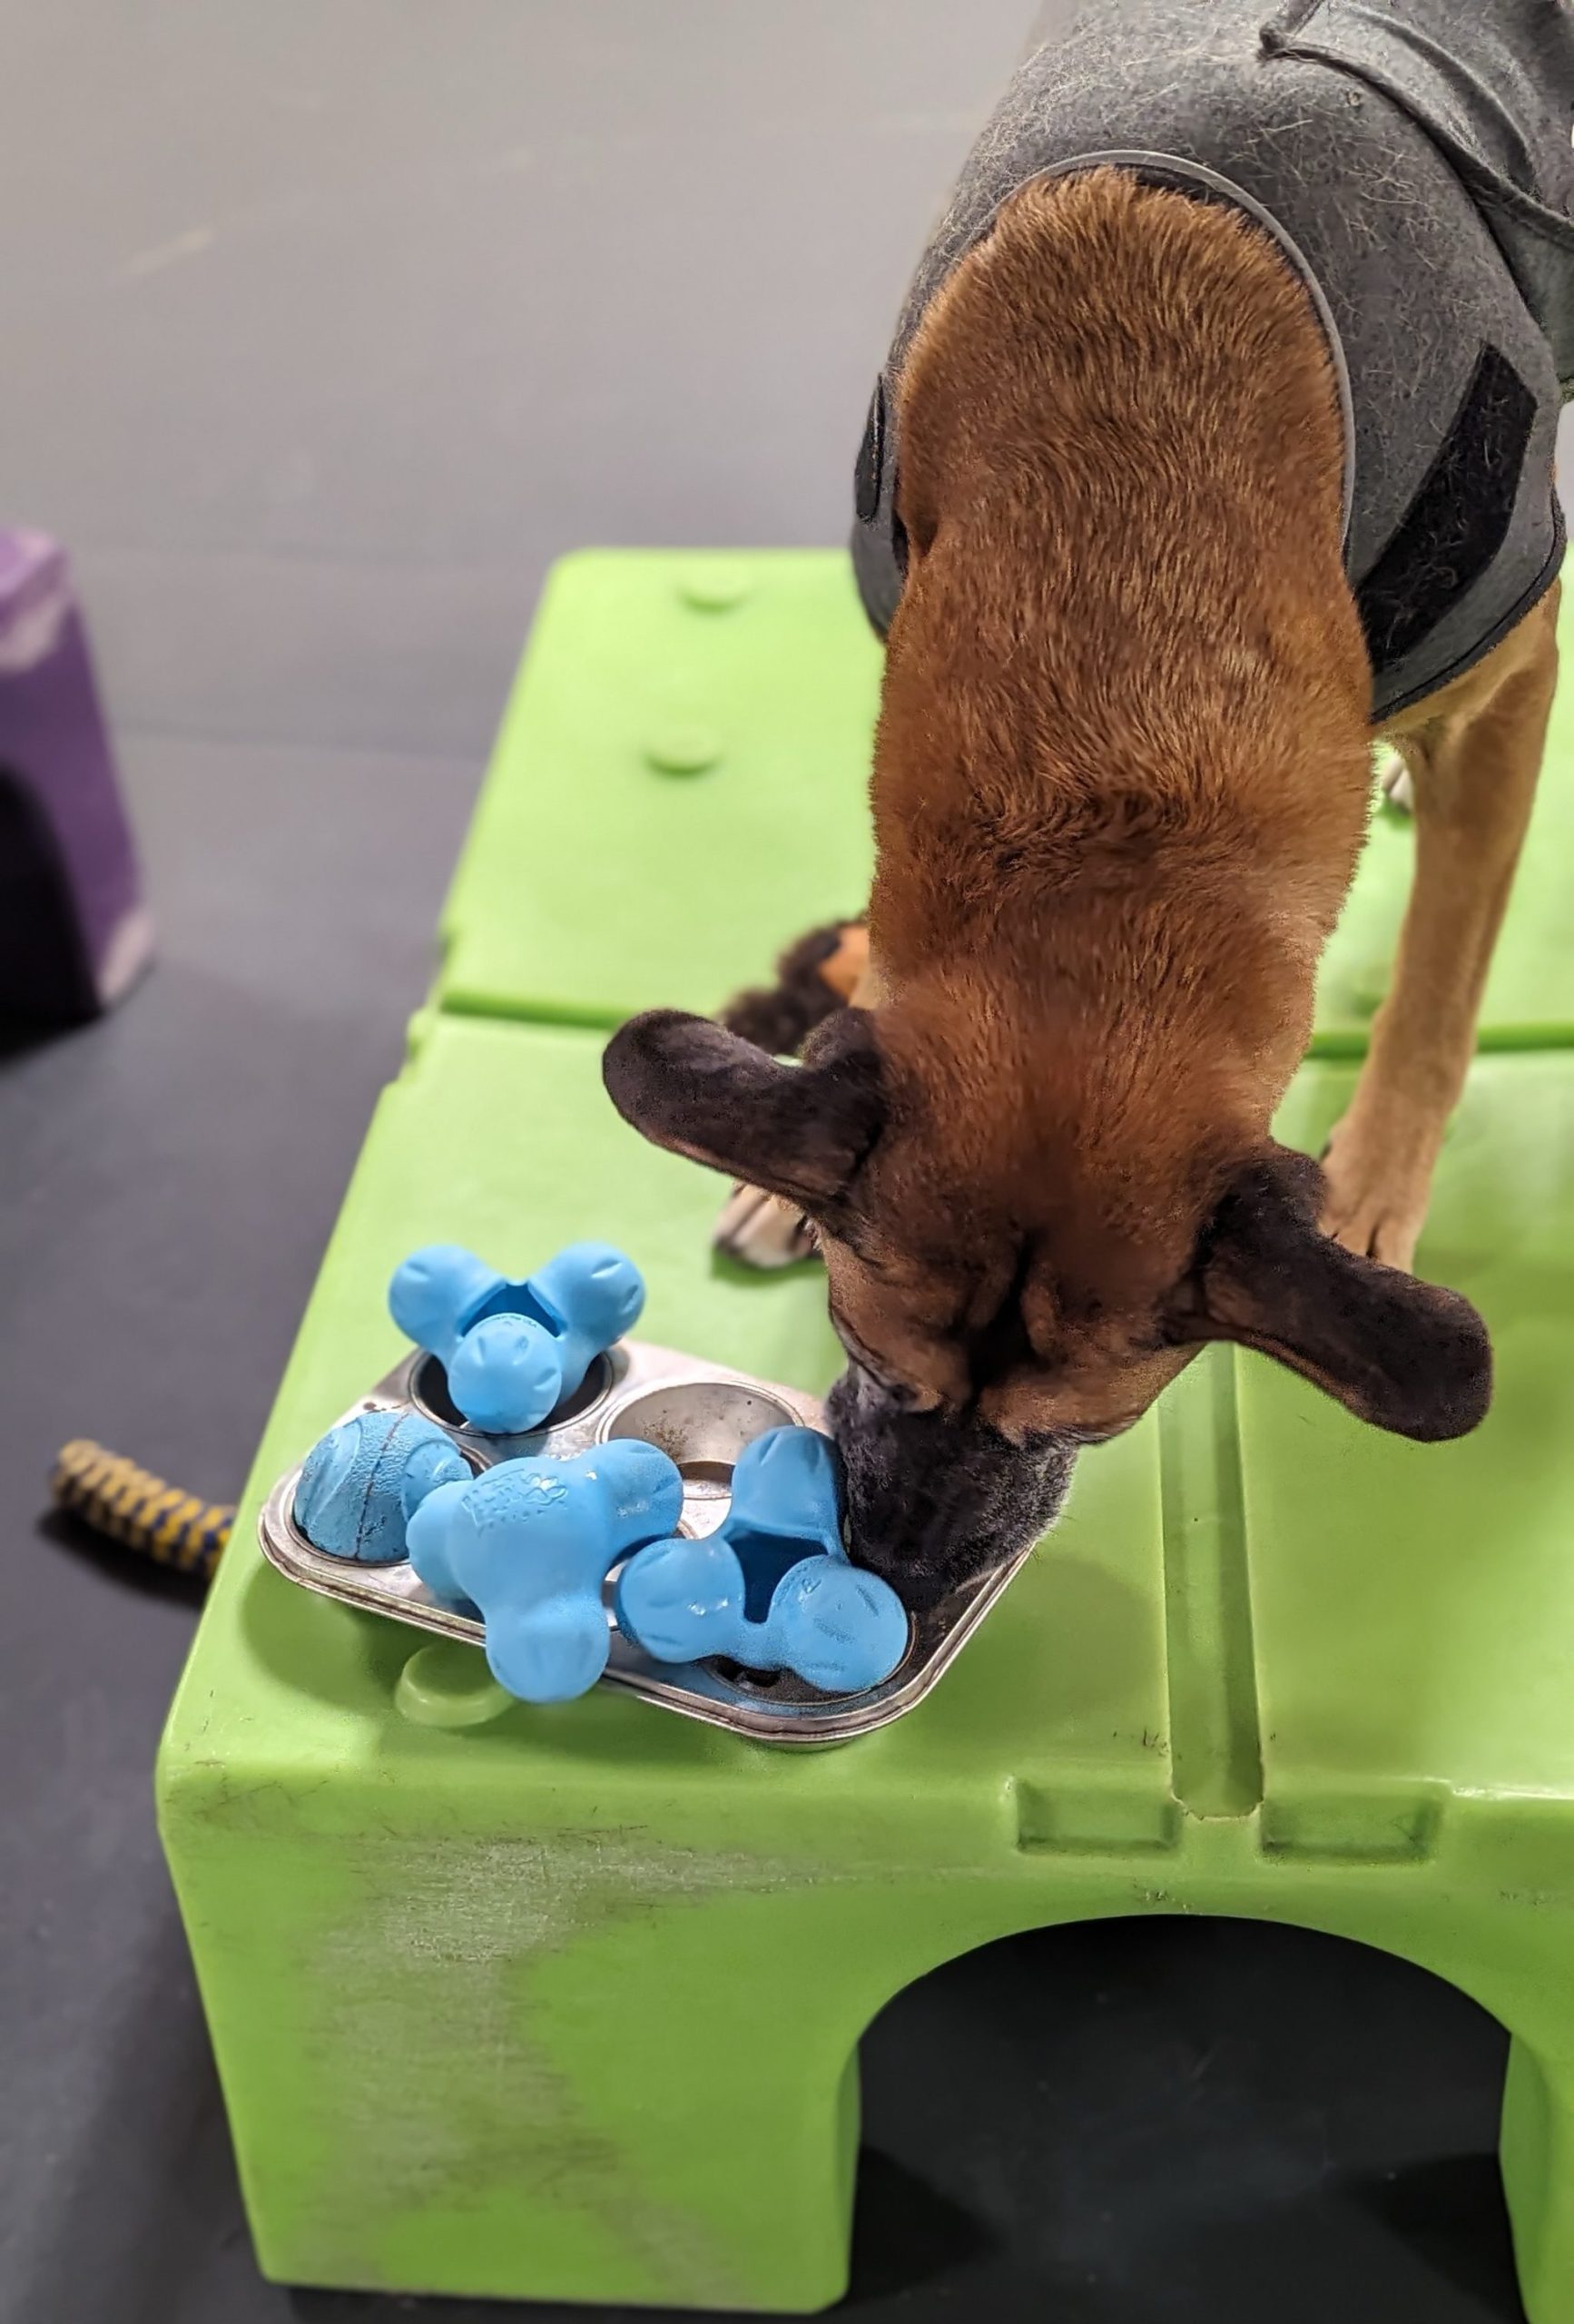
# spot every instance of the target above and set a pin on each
(935, 1498)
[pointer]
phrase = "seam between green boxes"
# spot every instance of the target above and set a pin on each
(1214, 1729)
(581, 1016)
(1330, 1047)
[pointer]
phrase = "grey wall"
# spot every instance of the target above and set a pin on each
(331, 321)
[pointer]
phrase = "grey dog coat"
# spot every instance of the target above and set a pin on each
(1412, 158)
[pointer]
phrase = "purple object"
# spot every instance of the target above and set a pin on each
(73, 930)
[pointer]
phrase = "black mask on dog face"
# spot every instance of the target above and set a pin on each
(934, 1498)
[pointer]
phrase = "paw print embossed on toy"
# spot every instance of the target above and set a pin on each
(529, 1544)
(514, 1351)
(597, 1529)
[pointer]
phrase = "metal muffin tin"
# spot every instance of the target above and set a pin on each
(703, 1415)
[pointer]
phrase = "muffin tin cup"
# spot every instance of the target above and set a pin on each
(702, 1416)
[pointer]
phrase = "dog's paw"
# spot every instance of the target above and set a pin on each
(1394, 779)
(1372, 1205)
(763, 1231)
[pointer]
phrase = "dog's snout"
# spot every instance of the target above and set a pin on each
(935, 1498)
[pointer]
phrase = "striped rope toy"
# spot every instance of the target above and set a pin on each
(158, 1520)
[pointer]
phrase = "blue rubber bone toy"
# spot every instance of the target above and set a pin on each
(772, 1587)
(514, 1351)
(361, 1483)
(529, 1544)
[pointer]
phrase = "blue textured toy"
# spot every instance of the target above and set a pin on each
(529, 1544)
(514, 1351)
(362, 1482)
(772, 1587)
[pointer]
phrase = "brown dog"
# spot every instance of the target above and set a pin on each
(1121, 779)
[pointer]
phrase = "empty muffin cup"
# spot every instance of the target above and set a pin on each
(702, 1426)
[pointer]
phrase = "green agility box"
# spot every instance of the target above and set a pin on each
(482, 1978)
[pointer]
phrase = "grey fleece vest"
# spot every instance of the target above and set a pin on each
(1414, 160)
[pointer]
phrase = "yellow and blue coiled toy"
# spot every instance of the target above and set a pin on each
(158, 1520)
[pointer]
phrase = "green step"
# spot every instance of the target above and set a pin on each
(563, 2005)
(677, 791)
(597, 882)
(1415, 1604)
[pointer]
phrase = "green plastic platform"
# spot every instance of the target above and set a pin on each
(564, 2003)
(678, 791)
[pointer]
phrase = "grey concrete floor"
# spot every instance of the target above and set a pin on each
(328, 324)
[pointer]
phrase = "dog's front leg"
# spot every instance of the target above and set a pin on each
(1473, 754)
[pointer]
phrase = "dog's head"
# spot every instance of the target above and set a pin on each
(1008, 1291)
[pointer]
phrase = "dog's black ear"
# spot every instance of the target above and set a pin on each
(802, 1131)
(1406, 1355)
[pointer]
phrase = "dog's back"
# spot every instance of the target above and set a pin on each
(1424, 158)
(1110, 699)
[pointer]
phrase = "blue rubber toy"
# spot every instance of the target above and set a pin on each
(772, 1587)
(529, 1544)
(514, 1351)
(360, 1483)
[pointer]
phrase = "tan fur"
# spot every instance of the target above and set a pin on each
(848, 967)
(1473, 752)
(1121, 781)
(1122, 777)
